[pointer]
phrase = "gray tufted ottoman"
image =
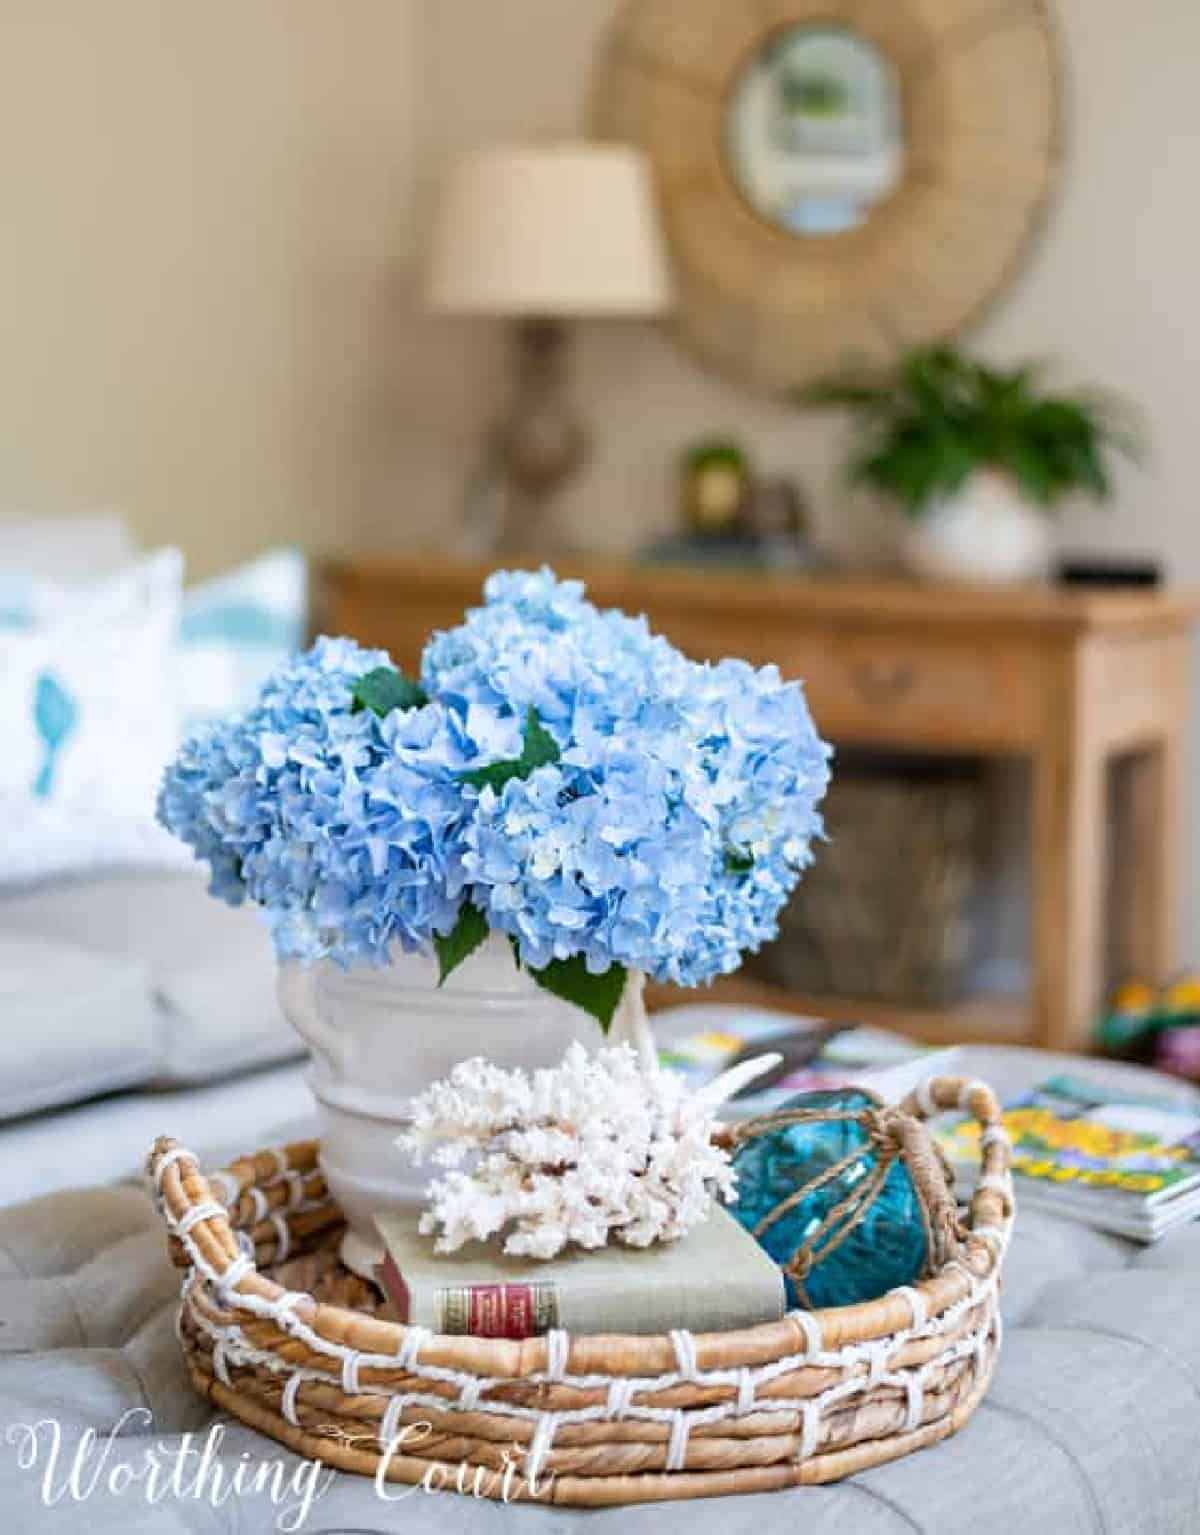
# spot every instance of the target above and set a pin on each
(1093, 1423)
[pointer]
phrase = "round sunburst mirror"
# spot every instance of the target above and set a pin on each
(838, 177)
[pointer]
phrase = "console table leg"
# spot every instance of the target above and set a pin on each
(1069, 844)
(1148, 881)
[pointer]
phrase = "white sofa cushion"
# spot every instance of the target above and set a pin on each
(75, 1023)
(86, 1144)
(207, 972)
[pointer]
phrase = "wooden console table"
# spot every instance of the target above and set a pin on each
(1071, 680)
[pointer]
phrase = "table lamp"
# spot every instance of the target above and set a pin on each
(541, 234)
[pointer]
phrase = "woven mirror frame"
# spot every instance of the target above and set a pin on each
(980, 115)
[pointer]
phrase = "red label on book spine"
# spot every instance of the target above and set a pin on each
(513, 1311)
(500, 1311)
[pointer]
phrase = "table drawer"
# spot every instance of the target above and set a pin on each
(900, 684)
(907, 690)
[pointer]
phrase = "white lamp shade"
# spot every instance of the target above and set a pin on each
(551, 230)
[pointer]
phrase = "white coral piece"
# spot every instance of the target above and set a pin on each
(575, 1154)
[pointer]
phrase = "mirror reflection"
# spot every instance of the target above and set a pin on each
(813, 132)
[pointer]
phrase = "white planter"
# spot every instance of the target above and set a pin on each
(380, 1035)
(987, 533)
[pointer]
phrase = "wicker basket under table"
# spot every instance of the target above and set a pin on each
(277, 1333)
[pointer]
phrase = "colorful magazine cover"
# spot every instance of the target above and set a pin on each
(1071, 1133)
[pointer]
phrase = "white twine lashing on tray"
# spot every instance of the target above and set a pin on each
(230, 1346)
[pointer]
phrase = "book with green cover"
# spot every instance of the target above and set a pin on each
(715, 1278)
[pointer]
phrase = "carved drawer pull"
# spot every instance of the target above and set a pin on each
(881, 681)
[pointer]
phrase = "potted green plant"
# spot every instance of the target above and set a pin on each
(976, 457)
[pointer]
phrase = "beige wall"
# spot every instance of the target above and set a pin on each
(205, 215)
(1111, 290)
(212, 222)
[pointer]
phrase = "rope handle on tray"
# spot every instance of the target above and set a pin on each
(202, 1235)
(197, 1222)
(991, 1208)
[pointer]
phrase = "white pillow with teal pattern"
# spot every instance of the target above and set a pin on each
(89, 718)
(237, 629)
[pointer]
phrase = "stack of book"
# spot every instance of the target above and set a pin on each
(1123, 1163)
(714, 1279)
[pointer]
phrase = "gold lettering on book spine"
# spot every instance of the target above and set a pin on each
(455, 1309)
(545, 1307)
(489, 1311)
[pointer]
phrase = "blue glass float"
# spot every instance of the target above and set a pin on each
(859, 1226)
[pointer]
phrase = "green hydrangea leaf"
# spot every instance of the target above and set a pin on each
(538, 749)
(494, 776)
(385, 689)
(461, 941)
(738, 863)
(571, 980)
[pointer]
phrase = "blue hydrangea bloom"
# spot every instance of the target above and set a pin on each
(667, 836)
(537, 643)
(683, 809)
(224, 793)
(345, 828)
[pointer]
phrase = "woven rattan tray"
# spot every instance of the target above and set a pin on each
(278, 1333)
